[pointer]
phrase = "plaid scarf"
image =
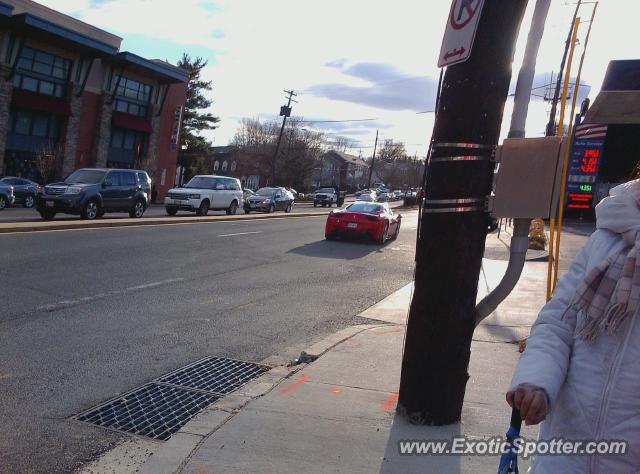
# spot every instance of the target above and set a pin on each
(610, 293)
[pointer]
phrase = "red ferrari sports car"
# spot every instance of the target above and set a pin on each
(370, 219)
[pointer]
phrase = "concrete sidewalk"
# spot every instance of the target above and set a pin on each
(337, 414)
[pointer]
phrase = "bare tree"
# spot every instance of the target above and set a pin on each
(48, 161)
(299, 153)
(343, 144)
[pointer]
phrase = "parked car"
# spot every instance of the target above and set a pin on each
(328, 196)
(373, 220)
(24, 190)
(7, 198)
(270, 200)
(205, 192)
(247, 193)
(367, 197)
(90, 192)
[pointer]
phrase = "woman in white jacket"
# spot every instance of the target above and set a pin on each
(580, 372)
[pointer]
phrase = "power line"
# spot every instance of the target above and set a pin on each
(337, 121)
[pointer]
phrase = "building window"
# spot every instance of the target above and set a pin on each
(216, 165)
(126, 139)
(132, 97)
(35, 124)
(41, 72)
(224, 166)
(233, 166)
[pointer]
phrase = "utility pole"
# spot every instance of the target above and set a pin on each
(527, 70)
(551, 126)
(454, 222)
(373, 160)
(285, 111)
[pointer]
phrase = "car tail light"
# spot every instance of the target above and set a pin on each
(374, 218)
(335, 215)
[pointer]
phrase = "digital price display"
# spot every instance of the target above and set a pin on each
(586, 156)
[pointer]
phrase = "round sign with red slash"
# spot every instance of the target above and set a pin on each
(462, 12)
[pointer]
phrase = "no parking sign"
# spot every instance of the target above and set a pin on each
(460, 32)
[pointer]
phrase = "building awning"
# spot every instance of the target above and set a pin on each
(59, 35)
(5, 10)
(34, 101)
(133, 122)
(160, 70)
(615, 107)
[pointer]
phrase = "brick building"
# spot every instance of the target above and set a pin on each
(252, 170)
(67, 90)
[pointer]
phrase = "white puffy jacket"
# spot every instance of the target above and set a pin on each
(593, 388)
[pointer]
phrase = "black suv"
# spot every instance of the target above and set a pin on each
(90, 192)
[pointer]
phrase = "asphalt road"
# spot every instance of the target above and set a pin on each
(88, 314)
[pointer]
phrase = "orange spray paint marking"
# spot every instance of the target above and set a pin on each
(388, 405)
(295, 385)
(335, 390)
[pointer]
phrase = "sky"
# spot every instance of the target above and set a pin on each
(346, 59)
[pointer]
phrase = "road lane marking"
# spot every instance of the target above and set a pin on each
(64, 304)
(240, 233)
(147, 226)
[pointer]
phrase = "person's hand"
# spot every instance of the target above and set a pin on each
(531, 402)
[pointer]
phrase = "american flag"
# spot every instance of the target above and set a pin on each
(591, 131)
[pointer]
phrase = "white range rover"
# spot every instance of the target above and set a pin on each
(204, 192)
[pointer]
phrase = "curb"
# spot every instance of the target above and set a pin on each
(16, 227)
(178, 450)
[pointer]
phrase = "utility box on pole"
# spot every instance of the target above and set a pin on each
(527, 183)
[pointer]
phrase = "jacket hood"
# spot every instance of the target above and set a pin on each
(620, 212)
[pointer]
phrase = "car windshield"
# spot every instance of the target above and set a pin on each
(326, 190)
(365, 207)
(85, 177)
(266, 191)
(200, 182)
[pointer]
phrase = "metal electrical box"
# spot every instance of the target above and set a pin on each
(527, 181)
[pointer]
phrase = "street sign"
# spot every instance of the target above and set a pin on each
(460, 31)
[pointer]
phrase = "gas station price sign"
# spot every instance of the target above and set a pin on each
(586, 157)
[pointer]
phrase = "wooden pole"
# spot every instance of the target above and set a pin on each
(454, 223)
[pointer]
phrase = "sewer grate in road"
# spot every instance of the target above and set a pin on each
(215, 374)
(153, 410)
(160, 408)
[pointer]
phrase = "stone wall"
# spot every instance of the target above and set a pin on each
(150, 161)
(6, 91)
(72, 129)
(103, 131)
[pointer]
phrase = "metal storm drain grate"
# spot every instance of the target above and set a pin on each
(215, 374)
(160, 408)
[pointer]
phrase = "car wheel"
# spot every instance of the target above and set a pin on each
(47, 215)
(137, 210)
(385, 234)
(247, 211)
(90, 210)
(29, 201)
(272, 208)
(172, 211)
(329, 237)
(289, 208)
(315, 204)
(3, 203)
(233, 208)
(203, 210)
